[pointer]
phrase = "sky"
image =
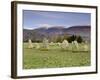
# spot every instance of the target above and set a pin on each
(35, 19)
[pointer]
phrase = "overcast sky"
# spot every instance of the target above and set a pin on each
(35, 19)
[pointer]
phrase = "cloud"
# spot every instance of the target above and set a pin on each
(45, 25)
(28, 27)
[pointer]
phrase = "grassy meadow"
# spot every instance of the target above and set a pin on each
(55, 57)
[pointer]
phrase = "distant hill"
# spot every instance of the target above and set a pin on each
(55, 31)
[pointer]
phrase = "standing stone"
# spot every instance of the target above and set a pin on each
(59, 44)
(45, 43)
(76, 45)
(30, 44)
(85, 47)
(36, 45)
(51, 43)
(64, 44)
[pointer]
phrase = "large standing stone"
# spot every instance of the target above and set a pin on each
(64, 44)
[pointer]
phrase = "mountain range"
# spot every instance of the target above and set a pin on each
(53, 32)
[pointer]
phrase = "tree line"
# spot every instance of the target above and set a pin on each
(71, 38)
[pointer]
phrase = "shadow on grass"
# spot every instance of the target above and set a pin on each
(62, 50)
(80, 51)
(75, 51)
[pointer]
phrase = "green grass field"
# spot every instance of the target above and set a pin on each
(55, 57)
